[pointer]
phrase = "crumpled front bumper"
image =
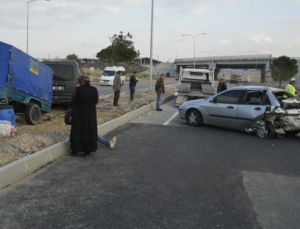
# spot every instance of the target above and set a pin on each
(290, 123)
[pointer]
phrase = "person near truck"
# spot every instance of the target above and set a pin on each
(82, 80)
(132, 84)
(160, 90)
(117, 88)
(291, 87)
(83, 135)
(222, 85)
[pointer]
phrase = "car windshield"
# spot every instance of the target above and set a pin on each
(108, 73)
(62, 72)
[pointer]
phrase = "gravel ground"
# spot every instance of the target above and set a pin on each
(29, 139)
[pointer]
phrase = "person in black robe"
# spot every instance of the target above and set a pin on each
(83, 136)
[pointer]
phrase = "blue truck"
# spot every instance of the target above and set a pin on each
(25, 83)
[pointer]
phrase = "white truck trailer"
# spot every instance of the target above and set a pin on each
(194, 84)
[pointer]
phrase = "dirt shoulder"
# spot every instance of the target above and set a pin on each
(51, 130)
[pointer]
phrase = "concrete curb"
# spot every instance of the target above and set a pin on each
(20, 169)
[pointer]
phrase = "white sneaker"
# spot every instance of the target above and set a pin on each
(113, 142)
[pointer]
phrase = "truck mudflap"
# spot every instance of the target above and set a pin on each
(208, 89)
(184, 87)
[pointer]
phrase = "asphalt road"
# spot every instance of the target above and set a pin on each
(107, 90)
(164, 174)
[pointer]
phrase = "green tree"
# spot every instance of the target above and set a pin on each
(73, 57)
(121, 49)
(283, 68)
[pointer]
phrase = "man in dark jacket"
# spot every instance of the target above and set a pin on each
(132, 84)
(222, 85)
(160, 90)
(117, 88)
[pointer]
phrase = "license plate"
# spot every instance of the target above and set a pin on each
(58, 88)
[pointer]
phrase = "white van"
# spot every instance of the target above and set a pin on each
(108, 75)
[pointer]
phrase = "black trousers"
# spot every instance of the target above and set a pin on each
(116, 97)
(132, 91)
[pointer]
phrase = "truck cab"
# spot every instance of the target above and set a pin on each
(194, 84)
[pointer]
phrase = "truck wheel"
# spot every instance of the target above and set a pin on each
(266, 131)
(32, 114)
(194, 118)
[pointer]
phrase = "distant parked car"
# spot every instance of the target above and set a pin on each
(263, 110)
(109, 73)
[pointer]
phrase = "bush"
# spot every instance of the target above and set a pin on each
(168, 74)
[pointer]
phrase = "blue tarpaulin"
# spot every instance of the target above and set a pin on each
(28, 75)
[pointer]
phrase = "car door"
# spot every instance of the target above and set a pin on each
(251, 109)
(221, 111)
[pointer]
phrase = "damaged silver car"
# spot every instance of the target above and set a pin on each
(266, 111)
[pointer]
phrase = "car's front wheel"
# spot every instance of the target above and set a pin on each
(265, 131)
(194, 118)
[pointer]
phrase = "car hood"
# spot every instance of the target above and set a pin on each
(194, 102)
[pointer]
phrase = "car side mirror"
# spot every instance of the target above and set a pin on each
(214, 100)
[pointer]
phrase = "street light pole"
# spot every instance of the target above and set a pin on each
(194, 36)
(28, 21)
(151, 48)
(255, 59)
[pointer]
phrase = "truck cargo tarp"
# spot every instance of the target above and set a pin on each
(28, 74)
(4, 59)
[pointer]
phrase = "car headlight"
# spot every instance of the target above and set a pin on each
(279, 110)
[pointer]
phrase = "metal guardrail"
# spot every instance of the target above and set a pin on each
(216, 58)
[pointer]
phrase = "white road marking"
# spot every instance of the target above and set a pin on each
(170, 119)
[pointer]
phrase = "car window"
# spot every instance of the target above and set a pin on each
(253, 98)
(81, 72)
(62, 72)
(108, 73)
(232, 97)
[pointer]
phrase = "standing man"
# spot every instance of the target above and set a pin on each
(291, 87)
(222, 85)
(117, 87)
(132, 84)
(160, 90)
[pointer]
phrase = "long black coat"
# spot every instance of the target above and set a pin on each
(83, 136)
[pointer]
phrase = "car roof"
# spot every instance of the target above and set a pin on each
(258, 88)
(115, 68)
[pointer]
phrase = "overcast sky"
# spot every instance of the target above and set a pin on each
(233, 27)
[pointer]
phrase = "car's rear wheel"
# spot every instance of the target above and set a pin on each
(194, 118)
(292, 132)
(265, 131)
